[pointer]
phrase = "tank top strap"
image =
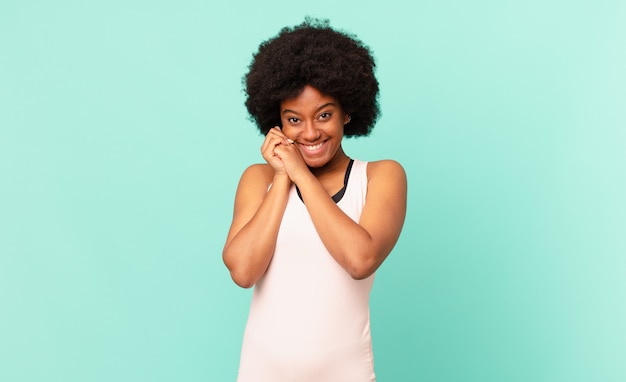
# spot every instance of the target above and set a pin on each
(337, 197)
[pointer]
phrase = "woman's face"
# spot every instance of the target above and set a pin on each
(314, 121)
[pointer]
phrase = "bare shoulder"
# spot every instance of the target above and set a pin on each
(257, 174)
(386, 170)
(386, 201)
(254, 182)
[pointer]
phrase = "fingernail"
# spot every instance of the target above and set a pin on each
(289, 140)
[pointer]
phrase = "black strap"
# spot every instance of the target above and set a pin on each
(337, 197)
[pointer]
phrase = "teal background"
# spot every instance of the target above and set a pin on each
(123, 135)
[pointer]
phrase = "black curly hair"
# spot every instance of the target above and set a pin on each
(312, 53)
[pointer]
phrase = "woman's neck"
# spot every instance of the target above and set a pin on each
(337, 164)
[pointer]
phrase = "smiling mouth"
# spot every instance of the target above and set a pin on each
(312, 147)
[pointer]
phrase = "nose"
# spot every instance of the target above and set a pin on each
(310, 132)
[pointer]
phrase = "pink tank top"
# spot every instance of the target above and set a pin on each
(309, 319)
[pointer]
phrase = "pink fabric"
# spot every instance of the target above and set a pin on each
(309, 320)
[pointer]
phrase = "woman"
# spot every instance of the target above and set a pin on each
(312, 225)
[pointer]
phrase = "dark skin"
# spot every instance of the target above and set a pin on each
(307, 151)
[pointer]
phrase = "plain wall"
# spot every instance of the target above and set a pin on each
(123, 135)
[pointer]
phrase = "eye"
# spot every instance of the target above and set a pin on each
(325, 116)
(293, 120)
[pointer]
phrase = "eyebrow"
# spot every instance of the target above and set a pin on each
(316, 110)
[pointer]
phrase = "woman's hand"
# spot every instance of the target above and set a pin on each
(283, 155)
(292, 161)
(274, 138)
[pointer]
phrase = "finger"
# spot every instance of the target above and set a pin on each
(278, 131)
(272, 142)
(273, 138)
(285, 151)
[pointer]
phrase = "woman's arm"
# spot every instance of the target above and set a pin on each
(360, 247)
(256, 218)
(258, 212)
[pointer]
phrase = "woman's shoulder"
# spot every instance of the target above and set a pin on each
(386, 168)
(260, 174)
(260, 169)
(387, 179)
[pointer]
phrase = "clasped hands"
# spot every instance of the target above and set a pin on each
(282, 154)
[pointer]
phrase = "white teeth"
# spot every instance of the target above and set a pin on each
(313, 147)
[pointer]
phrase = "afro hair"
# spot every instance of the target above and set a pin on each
(312, 53)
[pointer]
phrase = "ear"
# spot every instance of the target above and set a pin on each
(346, 119)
